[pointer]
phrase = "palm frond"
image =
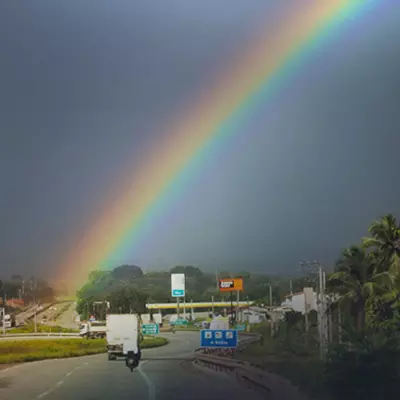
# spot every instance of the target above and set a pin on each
(369, 242)
(384, 279)
(394, 265)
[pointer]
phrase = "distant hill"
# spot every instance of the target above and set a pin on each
(200, 286)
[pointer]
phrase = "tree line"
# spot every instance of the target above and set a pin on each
(362, 357)
(128, 287)
(26, 289)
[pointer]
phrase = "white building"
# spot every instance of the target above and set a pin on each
(252, 315)
(297, 301)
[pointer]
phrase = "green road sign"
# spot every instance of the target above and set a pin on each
(150, 329)
(180, 322)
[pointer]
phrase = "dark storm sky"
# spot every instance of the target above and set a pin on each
(86, 87)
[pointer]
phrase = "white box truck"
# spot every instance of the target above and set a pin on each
(93, 329)
(122, 333)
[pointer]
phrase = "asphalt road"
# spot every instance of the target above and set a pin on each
(96, 378)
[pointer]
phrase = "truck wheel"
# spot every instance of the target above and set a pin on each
(111, 357)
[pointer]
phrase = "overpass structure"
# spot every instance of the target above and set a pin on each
(190, 305)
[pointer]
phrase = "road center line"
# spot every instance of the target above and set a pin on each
(149, 383)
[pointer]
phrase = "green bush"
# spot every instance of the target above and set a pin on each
(366, 369)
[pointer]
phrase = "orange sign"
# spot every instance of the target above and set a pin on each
(230, 284)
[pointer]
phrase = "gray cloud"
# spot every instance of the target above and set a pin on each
(87, 88)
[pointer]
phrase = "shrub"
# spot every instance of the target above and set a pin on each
(367, 368)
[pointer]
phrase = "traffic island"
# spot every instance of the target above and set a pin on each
(150, 342)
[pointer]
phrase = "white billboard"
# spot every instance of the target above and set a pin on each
(178, 285)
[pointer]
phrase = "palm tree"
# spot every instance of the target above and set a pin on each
(355, 280)
(385, 243)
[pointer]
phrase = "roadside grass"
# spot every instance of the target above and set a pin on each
(153, 341)
(41, 328)
(17, 351)
(289, 359)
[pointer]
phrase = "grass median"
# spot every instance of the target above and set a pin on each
(153, 341)
(41, 328)
(16, 351)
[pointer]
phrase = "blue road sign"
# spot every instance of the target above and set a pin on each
(220, 338)
(178, 293)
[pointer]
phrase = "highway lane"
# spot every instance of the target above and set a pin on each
(96, 378)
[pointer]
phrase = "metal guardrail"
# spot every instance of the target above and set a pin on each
(248, 375)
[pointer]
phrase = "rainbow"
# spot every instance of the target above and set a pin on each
(260, 72)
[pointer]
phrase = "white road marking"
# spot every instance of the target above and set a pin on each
(43, 394)
(59, 383)
(149, 383)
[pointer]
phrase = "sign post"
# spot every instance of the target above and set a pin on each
(178, 285)
(231, 285)
(177, 288)
(150, 329)
(222, 339)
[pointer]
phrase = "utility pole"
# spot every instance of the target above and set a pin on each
(237, 306)
(315, 267)
(270, 305)
(270, 296)
(291, 287)
(340, 325)
(232, 318)
(34, 305)
(305, 311)
(248, 310)
(3, 316)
